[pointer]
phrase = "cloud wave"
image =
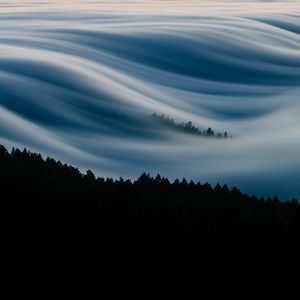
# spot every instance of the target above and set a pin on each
(81, 86)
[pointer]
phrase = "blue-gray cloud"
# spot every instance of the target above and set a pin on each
(81, 86)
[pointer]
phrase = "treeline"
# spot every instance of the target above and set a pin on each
(65, 233)
(188, 127)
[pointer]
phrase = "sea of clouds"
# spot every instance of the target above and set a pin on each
(79, 81)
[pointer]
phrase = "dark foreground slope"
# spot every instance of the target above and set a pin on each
(65, 234)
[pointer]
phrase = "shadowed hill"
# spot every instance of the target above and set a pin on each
(67, 234)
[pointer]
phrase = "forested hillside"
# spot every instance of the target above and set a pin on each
(65, 233)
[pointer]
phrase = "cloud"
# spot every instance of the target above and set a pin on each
(81, 87)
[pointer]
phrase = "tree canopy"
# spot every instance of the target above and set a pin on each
(188, 127)
(67, 233)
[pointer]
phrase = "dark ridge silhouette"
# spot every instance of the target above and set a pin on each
(66, 234)
(188, 127)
